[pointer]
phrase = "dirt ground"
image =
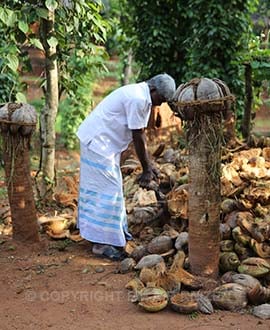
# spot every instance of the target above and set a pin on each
(62, 286)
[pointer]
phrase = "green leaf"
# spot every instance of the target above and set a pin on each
(42, 12)
(36, 42)
(52, 41)
(21, 98)
(7, 16)
(13, 62)
(51, 4)
(23, 26)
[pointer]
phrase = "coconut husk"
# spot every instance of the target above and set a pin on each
(177, 202)
(229, 296)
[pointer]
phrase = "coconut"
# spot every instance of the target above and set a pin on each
(184, 303)
(262, 311)
(153, 299)
(160, 244)
(229, 296)
(228, 261)
(149, 261)
(181, 241)
(256, 267)
(127, 265)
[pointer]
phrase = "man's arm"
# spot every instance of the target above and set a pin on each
(149, 173)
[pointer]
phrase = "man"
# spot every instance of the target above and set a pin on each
(117, 120)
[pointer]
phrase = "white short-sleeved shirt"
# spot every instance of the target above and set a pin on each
(107, 129)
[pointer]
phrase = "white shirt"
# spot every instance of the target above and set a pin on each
(107, 129)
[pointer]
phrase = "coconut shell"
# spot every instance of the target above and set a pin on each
(184, 303)
(225, 231)
(243, 252)
(259, 294)
(246, 280)
(226, 245)
(181, 241)
(230, 296)
(178, 261)
(139, 252)
(149, 261)
(228, 261)
(187, 279)
(228, 205)
(204, 305)
(262, 311)
(177, 202)
(227, 277)
(153, 299)
(256, 267)
(26, 113)
(168, 282)
(127, 265)
(160, 244)
(4, 113)
(135, 285)
(261, 249)
(240, 237)
(254, 229)
(148, 275)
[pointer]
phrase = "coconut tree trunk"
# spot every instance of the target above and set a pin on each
(202, 103)
(15, 144)
(204, 195)
(49, 112)
(20, 193)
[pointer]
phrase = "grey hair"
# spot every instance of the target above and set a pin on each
(164, 85)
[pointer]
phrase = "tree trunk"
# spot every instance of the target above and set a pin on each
(16, 144)
(49, 112)
(204, 194)
(248, 103)
(20, 193)
(229, 130)
(127, 70)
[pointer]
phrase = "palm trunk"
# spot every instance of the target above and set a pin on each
(20, 193)
(16, 144)
(202, 103)
(204, 194)
(49, 112)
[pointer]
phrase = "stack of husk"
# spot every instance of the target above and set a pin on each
(158, 220)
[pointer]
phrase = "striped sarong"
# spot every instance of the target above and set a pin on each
(101, 207)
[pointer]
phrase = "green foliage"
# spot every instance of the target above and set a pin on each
(83, 71)
(161, 28)
(10, 86)
(194, 38)
(122, 37)
(79, 36)
(259, 60)
(217, 44)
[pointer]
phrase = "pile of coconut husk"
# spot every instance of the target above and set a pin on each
(158, 220)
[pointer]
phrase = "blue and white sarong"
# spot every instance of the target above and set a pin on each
(101, 207)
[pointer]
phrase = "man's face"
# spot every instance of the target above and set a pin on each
(156, 98)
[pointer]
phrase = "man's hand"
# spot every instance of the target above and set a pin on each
(147, 176)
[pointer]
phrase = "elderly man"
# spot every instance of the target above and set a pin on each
(116, 121)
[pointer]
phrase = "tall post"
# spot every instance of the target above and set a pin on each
(202, 104)
(17, 122)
